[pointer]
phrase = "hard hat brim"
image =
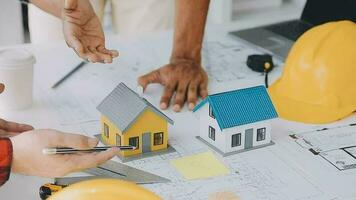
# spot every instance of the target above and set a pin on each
(104, 189)
(293, 110)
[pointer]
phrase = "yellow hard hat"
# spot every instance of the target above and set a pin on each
(318, 84)
(104, 189)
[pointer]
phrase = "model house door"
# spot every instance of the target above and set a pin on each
(146, 142)
(248, 138)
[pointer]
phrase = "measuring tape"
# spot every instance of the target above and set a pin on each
(261, 63)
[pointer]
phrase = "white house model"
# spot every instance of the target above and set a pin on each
(236, 121)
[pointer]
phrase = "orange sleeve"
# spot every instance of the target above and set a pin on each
(5, 159)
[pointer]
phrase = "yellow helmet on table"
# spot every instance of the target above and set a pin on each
(104, 189)
(318, 84)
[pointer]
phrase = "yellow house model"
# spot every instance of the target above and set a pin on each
(128, 119)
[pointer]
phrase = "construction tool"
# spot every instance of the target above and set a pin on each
(110, 169)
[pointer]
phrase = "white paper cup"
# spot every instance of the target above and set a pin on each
(16, 73)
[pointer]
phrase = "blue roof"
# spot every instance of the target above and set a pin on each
(239, 107)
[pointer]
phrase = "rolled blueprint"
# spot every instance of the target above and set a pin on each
(16, 73)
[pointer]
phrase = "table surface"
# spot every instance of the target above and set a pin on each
(282, 171)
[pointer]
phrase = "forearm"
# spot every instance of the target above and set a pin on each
(5, 159)
(190, 19)
(53, 7)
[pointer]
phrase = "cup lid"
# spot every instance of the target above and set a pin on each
(12, 58)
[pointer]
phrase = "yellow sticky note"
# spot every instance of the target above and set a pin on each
(198, 166)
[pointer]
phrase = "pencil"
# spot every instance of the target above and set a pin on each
(67, 150)
(80, 65)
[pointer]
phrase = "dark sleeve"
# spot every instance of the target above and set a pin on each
(25, 1)
(5, 159)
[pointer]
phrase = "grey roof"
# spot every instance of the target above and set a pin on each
(123, 106)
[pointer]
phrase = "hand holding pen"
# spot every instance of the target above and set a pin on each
(28, 157)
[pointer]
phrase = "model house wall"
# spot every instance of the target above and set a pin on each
(204, 122)
(156, 126)
(223, 139)
(242, 130)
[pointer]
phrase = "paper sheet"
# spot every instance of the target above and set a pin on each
(335, 144)
(330, 139)
(281, 172)
(260, 174)
(351, 151)
(340, 159)
(203, 165)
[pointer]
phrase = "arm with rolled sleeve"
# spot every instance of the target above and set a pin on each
(5, 159)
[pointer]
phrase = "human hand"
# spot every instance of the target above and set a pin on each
(28, 158)
(184, 77)
(10, 129)
(2, 87)
(83, 32)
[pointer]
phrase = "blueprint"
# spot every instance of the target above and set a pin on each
(340, 158)
(329, 139)
(250, 179)
(279, 172)
(337, 145)
(224, 59)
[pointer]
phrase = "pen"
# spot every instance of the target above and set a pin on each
(80, 65)
(67, 150)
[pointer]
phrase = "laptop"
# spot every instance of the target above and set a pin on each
(278, 38)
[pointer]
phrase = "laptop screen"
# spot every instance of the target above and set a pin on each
(320, 11)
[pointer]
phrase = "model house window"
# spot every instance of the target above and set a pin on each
(236, 140)
(134, 141)
(158, 138)
(261, 134)
(211, 114)
(211, 133)
(118, 139)
(106, 130)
